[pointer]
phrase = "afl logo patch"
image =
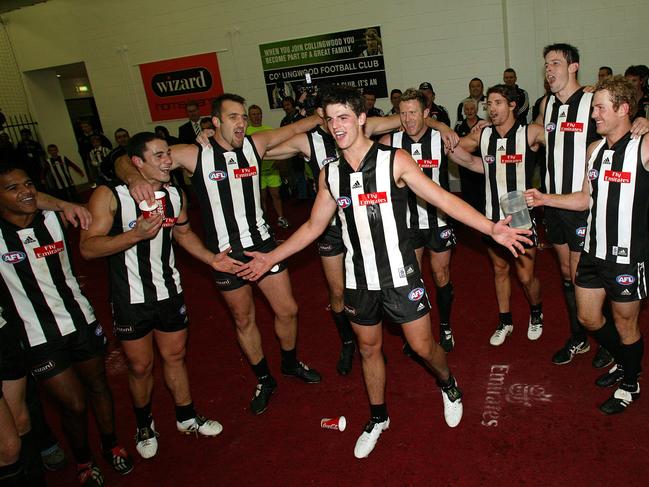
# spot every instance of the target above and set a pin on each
(625, 279)
(581, 232)
(132, 224)
(183, 310)
(550, 127)
(416, 294)
(14, 257)
(593, 174)
(99, 331)
(218, 175)
(489, 159)
(344, 201)
(446, 234)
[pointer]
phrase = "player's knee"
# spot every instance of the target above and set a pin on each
(244, 320)
(369, 350)
(501, 269)
(423, 347)
(441, 276)
(589, 321)
(174, 355)
(141, 369)
(9, 449)
(21, 419)
(288, 310)
(526, 279)
(76, 406)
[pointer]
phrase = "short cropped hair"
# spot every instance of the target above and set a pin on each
(620, 91)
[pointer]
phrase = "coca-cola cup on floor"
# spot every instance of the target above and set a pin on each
(157, 208)
(339, 423)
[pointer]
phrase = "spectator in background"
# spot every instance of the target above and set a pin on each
(295, 165)
(206, 123)
(98, 155)
(638, 76)
(3, 119)
(31, 156)
(163, 132)
(436, 112)
(395, 99)
(472, 183)
(58, 175)
(107, 168)
(188, 131)
(84, 141)
(476, 92)
(603, 73)
(5, 142)
(522, 98)
(270, 177)
(370, 101)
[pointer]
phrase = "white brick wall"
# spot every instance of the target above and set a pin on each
(444, 42)
(12, 94)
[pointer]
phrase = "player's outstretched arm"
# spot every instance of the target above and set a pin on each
(407, 171)
(463, 158)
(323, 209)
(270, 138)
(188, 240)
(298, 144)
(577, 201)
(72, 213)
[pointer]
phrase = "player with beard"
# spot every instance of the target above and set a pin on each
(226, 178)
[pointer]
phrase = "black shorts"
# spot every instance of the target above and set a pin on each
(566, 227)
(230, 282)
(330, 243)
(623, 283)
(134, 321)
(12, 356)
(51, 358)
(401, 304)
(490, 242)
(438, 240)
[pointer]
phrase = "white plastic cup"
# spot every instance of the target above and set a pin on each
(158, 208)
(338, 424)
(513, 204)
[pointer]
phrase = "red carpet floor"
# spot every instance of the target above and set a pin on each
(526, 421)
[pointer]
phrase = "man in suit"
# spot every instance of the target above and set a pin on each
(187, 132)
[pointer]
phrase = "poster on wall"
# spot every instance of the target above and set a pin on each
(171, 83)
(352, 57)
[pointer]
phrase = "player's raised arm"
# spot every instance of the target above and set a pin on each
(270, 138)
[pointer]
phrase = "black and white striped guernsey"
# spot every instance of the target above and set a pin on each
(569, 129)
(38, 289)
(323, 150)
(372, 211)
(228, 187)
(146, 272)
(431, 158)
(508, 165)
(619, 205)
(59, 172)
